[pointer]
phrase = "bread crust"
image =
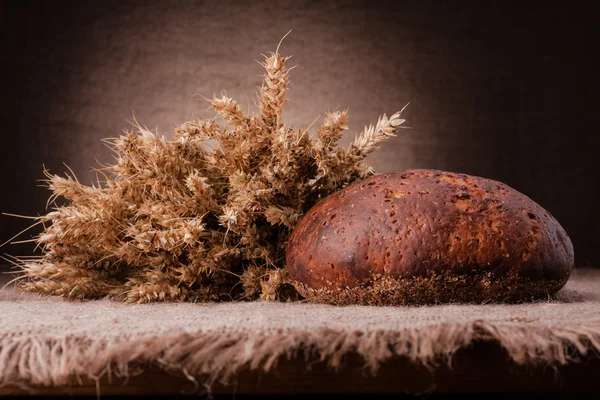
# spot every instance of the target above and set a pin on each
(423, 224)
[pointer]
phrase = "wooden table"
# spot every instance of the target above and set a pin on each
(482, 368)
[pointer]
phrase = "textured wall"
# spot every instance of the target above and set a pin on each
(496, 90)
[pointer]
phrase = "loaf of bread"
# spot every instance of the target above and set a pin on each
(428, 236)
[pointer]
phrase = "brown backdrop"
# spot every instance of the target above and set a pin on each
(503, 91)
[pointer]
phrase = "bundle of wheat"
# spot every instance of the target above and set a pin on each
(204, 216)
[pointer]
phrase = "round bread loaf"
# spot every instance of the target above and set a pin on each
(428, 236)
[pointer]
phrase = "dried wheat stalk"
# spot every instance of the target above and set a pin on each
(178, 220)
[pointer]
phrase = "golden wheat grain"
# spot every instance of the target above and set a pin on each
(205, 216)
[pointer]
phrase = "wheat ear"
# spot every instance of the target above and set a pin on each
(367, 141)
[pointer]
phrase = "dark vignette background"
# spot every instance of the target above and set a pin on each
(505, 91)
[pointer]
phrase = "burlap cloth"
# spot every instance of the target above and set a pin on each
(48, 341)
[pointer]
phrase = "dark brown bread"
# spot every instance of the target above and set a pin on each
(428, 236)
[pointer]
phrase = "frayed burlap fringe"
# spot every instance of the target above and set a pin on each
(49, 342)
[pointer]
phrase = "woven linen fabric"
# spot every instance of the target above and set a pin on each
(48, 341)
